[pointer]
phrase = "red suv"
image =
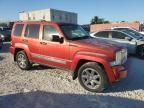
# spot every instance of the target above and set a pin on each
(96, 63)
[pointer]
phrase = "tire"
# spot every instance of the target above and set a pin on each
(140, 51)
(23, 61)
(92, 77)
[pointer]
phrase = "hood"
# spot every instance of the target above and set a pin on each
(98, 44)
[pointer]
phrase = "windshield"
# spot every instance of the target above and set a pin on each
(131, 32)
(74, 32)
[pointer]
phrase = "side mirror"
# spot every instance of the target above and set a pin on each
(128, 38)
(56, 38)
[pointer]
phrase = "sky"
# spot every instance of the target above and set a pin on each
(112, 10)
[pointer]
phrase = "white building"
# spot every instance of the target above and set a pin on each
(49, 15)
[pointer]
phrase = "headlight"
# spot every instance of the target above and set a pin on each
(2, 37)
(121, 57)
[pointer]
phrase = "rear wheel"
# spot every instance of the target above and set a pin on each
(92, 77)
(22, 60)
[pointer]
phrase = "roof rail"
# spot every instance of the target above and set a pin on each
(43, 20)
(19, 21)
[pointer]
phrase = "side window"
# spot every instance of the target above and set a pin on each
(32, 30)
(104, 34)
(118, 35)
(18, 29)
(48, 31)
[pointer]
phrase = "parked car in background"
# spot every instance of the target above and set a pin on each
(5, 33)
(96, 63)
(130, 30)
(133, 41)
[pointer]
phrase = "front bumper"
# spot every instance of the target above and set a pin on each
(119, 72)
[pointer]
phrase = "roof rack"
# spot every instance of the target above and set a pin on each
(31, 20)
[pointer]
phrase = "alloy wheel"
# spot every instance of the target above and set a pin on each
(91, 78)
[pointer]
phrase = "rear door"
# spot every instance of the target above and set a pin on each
(31, 38)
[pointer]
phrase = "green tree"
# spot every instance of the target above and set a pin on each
(97, 20)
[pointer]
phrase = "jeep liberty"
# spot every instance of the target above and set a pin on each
(95, 62)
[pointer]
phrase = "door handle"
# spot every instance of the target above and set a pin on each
(43, 43)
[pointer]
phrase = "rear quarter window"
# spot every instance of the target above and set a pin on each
(18, 29)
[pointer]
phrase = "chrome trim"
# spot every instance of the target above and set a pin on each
(49, 58)
(91, 53)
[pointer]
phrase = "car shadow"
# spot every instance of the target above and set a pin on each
(41, 99)
(135, 78)
(1, 58)
(40, 67)
(5, 47)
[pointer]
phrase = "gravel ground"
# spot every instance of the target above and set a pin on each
(46, 87)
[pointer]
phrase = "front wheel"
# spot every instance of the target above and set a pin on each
(22, 60)
(92, 77)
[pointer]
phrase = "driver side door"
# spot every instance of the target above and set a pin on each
(53, 53)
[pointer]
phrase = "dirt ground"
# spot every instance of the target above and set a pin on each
(47, 87)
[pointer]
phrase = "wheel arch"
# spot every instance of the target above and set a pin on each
(20, 47)
(79, 61)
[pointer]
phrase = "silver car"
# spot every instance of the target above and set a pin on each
(133, 42)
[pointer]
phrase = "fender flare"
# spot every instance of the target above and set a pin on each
(25, 48)
(103, 61)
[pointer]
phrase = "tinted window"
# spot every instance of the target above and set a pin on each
(48, 31)
(32, 30)
(18, 29)
(102, 34)
(118, 35)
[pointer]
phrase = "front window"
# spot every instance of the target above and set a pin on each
(48, 32)
(74, 32)
(118, 35)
